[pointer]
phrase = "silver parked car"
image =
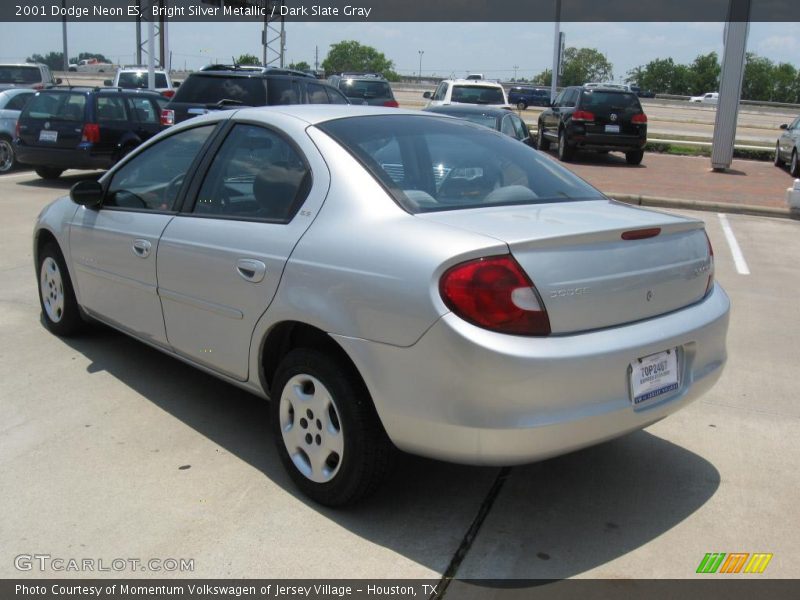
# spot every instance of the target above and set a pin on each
(11, 104)
(787, 149)
(390, 279)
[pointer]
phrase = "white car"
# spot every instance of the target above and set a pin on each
(468, 91)
(707, 98)
(614, 86)
(135, 78)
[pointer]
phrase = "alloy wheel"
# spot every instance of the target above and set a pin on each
(6, 156)
(52, 290)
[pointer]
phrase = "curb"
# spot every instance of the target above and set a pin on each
(739, 209)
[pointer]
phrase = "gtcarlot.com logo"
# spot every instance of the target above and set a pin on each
(734, 562)
(47, 562)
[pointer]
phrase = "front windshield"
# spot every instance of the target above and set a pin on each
(431, 163)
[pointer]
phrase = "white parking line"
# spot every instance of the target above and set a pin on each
(738, 257)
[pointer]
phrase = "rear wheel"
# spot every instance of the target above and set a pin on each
(542, 143)
(56, 296)
(328, 434)
(49, 172)
(794, 167)
(634, 157)
(522, 105)
(565, 151)
(777, 159)
(7, 159)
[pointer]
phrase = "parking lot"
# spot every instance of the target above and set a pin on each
(112, 449)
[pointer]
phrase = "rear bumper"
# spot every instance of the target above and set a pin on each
(468, 395)
(65, 158)
(593, 141)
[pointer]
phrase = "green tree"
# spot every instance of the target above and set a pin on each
(54, 60)
(662, 76)
(544, 78)
(705, 72)
(248, 59)
(758, 82)
(300, 66)
(786, 83)
(349, 55)
(582, 65)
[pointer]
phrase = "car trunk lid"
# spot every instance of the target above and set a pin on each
(587, 274)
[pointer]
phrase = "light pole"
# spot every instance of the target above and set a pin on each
(515, 71)
(421, 52)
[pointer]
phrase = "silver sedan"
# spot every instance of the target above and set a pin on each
(390, 280)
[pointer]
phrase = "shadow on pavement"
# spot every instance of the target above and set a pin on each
(62, 183)
(596, 159)
(552, 519)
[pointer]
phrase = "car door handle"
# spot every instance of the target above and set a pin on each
(251, 270)
(141, 248)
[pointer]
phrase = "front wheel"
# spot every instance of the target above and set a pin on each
(7, 158)
(522, 105)
(328, 435)
(56, 296)
(794, 167)
(777, 159)
(634, 157)
(49, 172)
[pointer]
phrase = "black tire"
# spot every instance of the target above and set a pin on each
(49, 172)
(8, 160)
(634, 157)
(794, 166)
(777, 159)
(565, 151)
(522, 105)
(61, 315)
(542, 143)
(367, 454)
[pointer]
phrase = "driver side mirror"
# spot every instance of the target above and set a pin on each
(88, 193)
(107, 82)
(785, 126)
(427, 95)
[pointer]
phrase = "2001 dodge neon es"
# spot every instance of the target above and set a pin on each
(390, 279)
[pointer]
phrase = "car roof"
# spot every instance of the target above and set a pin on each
(23, 65)
(475, 82)
(475, 109)
(311, 114)
(86, 89)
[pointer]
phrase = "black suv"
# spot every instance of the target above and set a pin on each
(600, 119)
(206, 91)
(365, 88)
(84, 128)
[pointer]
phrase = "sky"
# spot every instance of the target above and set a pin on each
(493, 49)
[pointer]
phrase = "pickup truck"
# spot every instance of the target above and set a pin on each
(91, 65)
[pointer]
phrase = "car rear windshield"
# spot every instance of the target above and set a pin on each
(56, 106)
(355, 88)
(138, 81)
(605, 100)
(211, 89)
(20, 74)
(431, 163)
(476, 94)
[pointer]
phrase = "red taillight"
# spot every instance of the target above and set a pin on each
(91, 133)
(495, 293)
(167, 117)
(38, 86)
(583, 115)
(641, 234)
(168, 93)
(710, 283)
(16, 130)
(391, 103)
(639, 119)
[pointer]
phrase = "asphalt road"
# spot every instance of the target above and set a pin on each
(110, 449)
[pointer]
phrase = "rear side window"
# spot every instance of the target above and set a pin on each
(317, 94)
(474, 94)
(605, 100)
(18, 102)
(255, 175)
(208, 89)
(283, 91)
(432, 164)
(111, 109)
(56, 106)
(143, 110)
(10, 74)
(336, 97)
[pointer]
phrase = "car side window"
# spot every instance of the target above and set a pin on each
(560, 98)
(440, 92)
(256, 174)
(152, 179)
(283, 91)
(519, 127)
(111, 109)
(336, 97)
(570, 97)
(507, 127)
(796, 124)
(18, 102)
(144, 110)
(317, 94)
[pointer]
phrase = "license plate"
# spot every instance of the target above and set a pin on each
(612, 128)
(654, 375)
(48, 136)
